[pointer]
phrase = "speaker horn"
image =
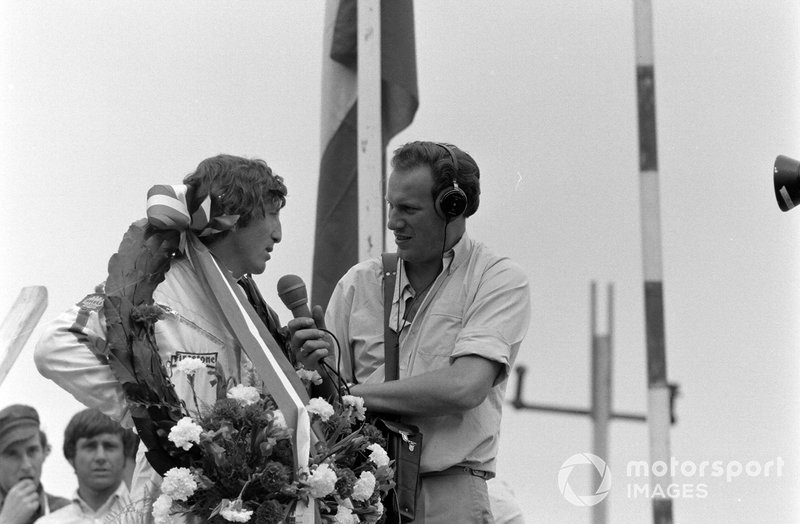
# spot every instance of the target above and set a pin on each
(787, 182)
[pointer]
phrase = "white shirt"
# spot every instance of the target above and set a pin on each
(79, 511)
(478, 305)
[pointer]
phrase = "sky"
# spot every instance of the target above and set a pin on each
(101, 100)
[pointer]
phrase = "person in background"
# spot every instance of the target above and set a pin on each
(23, 448)
(97, 448)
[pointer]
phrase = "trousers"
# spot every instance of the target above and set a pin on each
(453, 496)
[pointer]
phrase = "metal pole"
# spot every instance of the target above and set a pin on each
(601, 393)
(658, 396)
(370, 145)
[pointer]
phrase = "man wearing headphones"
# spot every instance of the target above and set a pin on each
(460, 312)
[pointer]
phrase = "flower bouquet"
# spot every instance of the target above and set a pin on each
(236, 460)
(245, 471)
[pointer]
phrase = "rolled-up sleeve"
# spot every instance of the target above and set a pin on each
(496, 321)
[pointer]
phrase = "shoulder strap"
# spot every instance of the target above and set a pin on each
(391, 346)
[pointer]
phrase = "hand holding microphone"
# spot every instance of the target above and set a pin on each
(309, 343)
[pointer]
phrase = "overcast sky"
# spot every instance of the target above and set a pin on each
(101, 100)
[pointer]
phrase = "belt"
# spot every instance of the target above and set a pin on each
(460, 470)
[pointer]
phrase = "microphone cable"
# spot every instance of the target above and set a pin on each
(339, 382)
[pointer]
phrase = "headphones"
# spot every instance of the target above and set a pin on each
(451, 202)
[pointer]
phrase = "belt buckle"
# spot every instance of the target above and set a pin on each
(477, 473)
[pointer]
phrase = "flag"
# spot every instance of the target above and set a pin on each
(336, 233)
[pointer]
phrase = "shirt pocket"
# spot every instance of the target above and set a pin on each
(439, 332)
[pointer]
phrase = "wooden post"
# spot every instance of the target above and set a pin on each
(370, 146)
(19, 324)
(658, 391)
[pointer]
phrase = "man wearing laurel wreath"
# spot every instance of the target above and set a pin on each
(460, 312)
(217, 228)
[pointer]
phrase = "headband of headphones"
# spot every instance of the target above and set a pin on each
(452, 154)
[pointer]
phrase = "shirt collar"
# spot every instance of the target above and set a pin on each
(460, 252)
(451, 260)
(120, 494)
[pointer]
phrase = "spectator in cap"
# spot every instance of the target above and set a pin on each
(23, 448)
(97, 448)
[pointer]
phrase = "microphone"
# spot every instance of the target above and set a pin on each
(293, 294)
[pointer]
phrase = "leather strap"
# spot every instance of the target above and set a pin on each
(391, 344)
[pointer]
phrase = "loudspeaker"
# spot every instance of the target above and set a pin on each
(451, 201)
(787, 182)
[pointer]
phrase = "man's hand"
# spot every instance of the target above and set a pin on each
(21, 503)
(309, 343)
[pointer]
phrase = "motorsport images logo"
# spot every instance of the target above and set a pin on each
(582, 460)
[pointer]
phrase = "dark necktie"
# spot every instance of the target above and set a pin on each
(269, 317)
(259, 304)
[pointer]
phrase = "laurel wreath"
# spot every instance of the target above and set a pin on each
(134, 271)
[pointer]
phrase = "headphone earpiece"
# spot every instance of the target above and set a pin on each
(451, 202)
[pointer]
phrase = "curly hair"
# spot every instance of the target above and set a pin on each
(238, 186)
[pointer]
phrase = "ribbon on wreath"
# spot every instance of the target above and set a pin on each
(167, 209)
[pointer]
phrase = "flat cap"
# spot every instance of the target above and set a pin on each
(17, 422)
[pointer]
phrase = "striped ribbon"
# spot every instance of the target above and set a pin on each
(264, 352)
(167, 209)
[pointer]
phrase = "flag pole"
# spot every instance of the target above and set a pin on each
(370, 143)
(658, 390)
(602, 359)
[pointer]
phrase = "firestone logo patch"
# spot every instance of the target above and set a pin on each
(209, 359)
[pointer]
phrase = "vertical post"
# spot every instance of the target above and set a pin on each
(521, 370)
(601, 392)
(658, 410)
(370, 147)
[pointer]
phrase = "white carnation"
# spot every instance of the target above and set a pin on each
(364, 486)
(322, 481)
(179, 484)
(278, 419)
(357, 404)
(161, 509)
(321, 408)
(233, 512)
(312, 376)
(378, 455)
(185, 433)
(245, 394)
(344, 515)
(190, 365)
